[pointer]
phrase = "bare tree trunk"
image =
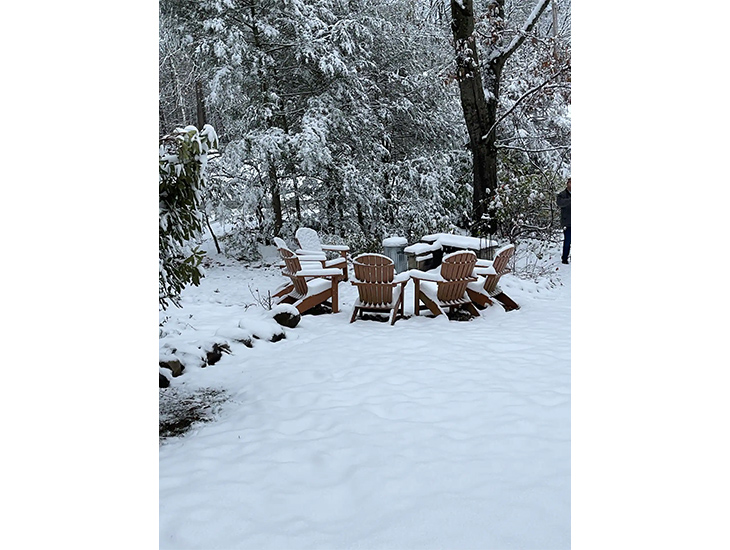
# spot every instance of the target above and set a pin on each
(480, 114)
(215, 239)
(200, 104)
(273, 177)
(292, 170)
(297, 204)
(178, 89)
(480, 109)
(554, 9)
(275, 198)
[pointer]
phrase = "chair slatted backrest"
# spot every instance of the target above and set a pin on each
(308, 239)
(500, 266)
(457, 269)
(503, 256)
(374, 269)
(292, 267)
(280, 243)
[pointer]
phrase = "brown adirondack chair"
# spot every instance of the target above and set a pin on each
(307, 261)
(379, 289)
(486, 288)
(310, 244)
(445, 287)
(311, 284)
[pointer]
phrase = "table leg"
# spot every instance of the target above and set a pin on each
(415, 298)
(335, 293)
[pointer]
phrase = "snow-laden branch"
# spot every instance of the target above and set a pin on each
(556, 148)
(525, 96)
(529, 24)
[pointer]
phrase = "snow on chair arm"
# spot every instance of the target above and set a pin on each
(336, 247)
(403, 277)
(426, 276)
(310, 254)
(318, 272)
(485, 270)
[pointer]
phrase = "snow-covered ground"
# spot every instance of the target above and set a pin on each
(427, 434)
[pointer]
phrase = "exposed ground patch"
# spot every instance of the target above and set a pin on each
(180, 411)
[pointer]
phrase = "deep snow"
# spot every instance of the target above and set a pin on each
(427, 434)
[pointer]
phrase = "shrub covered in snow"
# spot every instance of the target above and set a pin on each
(183, 161)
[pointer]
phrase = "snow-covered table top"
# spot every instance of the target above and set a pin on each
(460, 241)
(422, 248)
(395, 241)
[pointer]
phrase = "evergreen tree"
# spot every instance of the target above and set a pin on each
(343, 115)
(183, 162)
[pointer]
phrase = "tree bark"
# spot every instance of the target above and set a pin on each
(274, 186)
(215, 239)
(275, 198)
(200, 104)
(480, 113)
(480, 108)
(178, 90)
(554, 9)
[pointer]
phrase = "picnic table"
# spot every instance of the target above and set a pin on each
(428, 253)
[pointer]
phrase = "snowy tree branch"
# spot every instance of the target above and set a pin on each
(521, 99)
(524, 31)
(511, 147)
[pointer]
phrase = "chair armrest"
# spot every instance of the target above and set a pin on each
(484, 263)
(425, 276)
(317, 253)
(336, 247)
(485, 270)
(336, 262)
(314, 272)
(403, 277)
(311, 258)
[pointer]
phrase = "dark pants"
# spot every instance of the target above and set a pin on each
(566, 243)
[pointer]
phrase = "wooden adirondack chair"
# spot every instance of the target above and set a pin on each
(311, 261)
(379, 289)
(311, 285)
(446, 286)
(486, 288)
(309, 244)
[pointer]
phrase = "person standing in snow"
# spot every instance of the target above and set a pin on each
(564, 204)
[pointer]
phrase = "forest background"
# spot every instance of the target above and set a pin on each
(81, 218)
(349, 117)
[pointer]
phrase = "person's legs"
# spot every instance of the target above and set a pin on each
(566, 244)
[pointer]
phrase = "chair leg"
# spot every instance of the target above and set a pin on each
(507, 303)
(398, 307)
(354, 314)
(310, 301)
(431, 305)
(335, 301)
(473, 310)
(416, 292)
(478, 298)
(283, 291)
(344, 269)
